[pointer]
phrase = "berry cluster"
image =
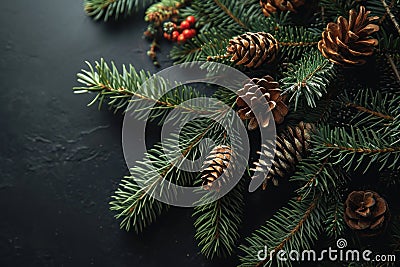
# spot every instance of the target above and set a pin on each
(182, 32)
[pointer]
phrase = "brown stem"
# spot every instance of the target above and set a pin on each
(126, 92)
(312, 180)
(391, 16)
(364, 150)
(229, 13)
(394, 67)
(372, 112)
(298, 43)
(382, 19)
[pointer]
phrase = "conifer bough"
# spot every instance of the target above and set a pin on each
(332, 126)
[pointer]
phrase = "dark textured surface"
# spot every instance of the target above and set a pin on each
(61, 161)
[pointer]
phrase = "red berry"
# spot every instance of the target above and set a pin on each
(175, 35)
(187, 33)
(167, 36)
(192, 33)
(185, 25)
(191, 20)
(181, 38)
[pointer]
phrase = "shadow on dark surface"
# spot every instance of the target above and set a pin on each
(61, 161)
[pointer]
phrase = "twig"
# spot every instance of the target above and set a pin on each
(391, 16)
(364, 150)
(372, 112)
(394, 67)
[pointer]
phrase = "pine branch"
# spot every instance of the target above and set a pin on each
(308, 79)
(218, 222)
(200, 47)
(295, 41)
(334, 224)
(229, 16)
(113, 8)
(297, 226)
(358, 147)
(372, 109)
(127, 87)
(135, 204)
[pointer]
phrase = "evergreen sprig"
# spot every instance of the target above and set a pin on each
(295, 227)
(134, 199)
(299, 224)
(146, 95)
(217, 223)
(113, 8)
(372, 109)
(308, 79)
(358, 147)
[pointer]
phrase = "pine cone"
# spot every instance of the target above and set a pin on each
(271, 6)
(214, 166)
(366, 212)
(267, 88)
(347, 42)
(253, 49)
(291, 147)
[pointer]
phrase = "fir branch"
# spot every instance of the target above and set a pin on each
(358, 147)
(308, 79)
(230, 14)
(135, 204)
(200, 47)
(218, 222)
(368, 111)
(334, 222)
(126, 87)
(295, 41)
(374, 110)
(295, 227)
(108, 8)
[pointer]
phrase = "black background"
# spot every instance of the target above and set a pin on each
(60, 161)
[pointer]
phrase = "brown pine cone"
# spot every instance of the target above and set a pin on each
(267, 88)
(271, 6)
(366, 212)
(291, 147)
(214, 166)
(253, 49)
(348, 42)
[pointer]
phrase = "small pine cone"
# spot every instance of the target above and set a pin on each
(291, 147)
(253, 49)
(366, 212)
(348, 42)
(214, 166)
(267, 88)
(271, 6)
